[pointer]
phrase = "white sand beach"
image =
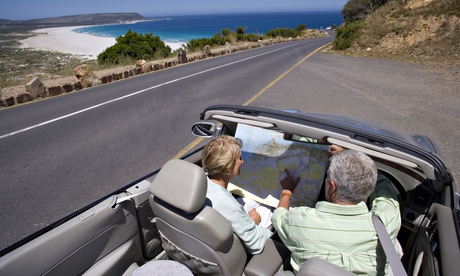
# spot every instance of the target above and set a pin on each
(65, 40)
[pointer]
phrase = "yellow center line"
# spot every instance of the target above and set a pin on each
(199, 139)
(282, 76)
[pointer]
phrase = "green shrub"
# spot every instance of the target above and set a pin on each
(226, 32)
(283, 32)
(301, 28)
(252, 37)
(134, 46)
(227, 35)
(355, 10)
(346, 35)
(198, 44)
(444, 7)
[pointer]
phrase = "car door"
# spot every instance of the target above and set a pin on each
(101, 240)
(436, 250)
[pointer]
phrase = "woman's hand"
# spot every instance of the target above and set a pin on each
(255, 216)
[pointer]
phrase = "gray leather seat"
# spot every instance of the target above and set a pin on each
(162, 268)
(195, 234)
(317, 267)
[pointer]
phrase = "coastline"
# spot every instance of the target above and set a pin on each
(66, 40)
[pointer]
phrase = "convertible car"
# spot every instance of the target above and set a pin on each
(160, 224)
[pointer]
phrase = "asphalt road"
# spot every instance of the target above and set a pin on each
(60, 154)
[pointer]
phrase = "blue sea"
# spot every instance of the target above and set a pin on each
(181, 29)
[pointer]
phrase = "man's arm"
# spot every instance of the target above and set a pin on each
(383, 188)
(288, 184)
(385, 205)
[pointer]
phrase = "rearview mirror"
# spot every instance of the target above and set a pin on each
(206, 130)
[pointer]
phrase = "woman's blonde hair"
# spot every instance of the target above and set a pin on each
(219, 155)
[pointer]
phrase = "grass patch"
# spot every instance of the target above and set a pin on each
(18, 66)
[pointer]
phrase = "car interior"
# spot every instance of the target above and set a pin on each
(165, 216)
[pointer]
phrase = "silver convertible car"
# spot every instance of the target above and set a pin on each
(161, 224)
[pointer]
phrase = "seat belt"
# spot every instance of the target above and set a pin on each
(389, 248)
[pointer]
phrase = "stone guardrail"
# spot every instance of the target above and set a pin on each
(85, 78)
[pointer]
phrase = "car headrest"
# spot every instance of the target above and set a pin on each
(181, 184)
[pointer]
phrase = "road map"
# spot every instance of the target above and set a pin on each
(266, 154)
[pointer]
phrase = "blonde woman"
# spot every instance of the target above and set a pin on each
(221, 160)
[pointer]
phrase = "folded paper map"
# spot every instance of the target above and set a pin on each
(266, 154)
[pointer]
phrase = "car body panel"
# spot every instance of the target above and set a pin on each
(370, 137)
(118, 233)
(80, 243)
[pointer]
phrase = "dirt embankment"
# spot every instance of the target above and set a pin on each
(419, 31)
(422, 32)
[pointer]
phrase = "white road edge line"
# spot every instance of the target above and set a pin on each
(135, 93)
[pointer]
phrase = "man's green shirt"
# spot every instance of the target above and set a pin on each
(341, 234)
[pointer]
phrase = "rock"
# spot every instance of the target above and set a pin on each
(207, 50)
(78, 86)
(9, 101)
(86, 76)
(54, 90)
(35, 88)
(67, 87)
(368, 49)
(23, 98)
(140, 63)
(142, 67)
(181, 57)
(81, 70)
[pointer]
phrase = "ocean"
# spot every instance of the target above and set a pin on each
(181, 29)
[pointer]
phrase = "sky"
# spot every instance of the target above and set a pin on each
(34, 9)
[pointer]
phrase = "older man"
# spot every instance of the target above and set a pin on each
(340, 230)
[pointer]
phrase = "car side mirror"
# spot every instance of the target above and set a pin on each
(206, 129)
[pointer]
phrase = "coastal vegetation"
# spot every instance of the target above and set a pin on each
(239, 35)
(134, 46)
(220, 39)
(286, 32)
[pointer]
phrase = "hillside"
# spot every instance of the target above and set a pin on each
(74, 20)
(417, 31)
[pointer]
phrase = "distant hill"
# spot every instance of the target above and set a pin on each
(75, 20)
